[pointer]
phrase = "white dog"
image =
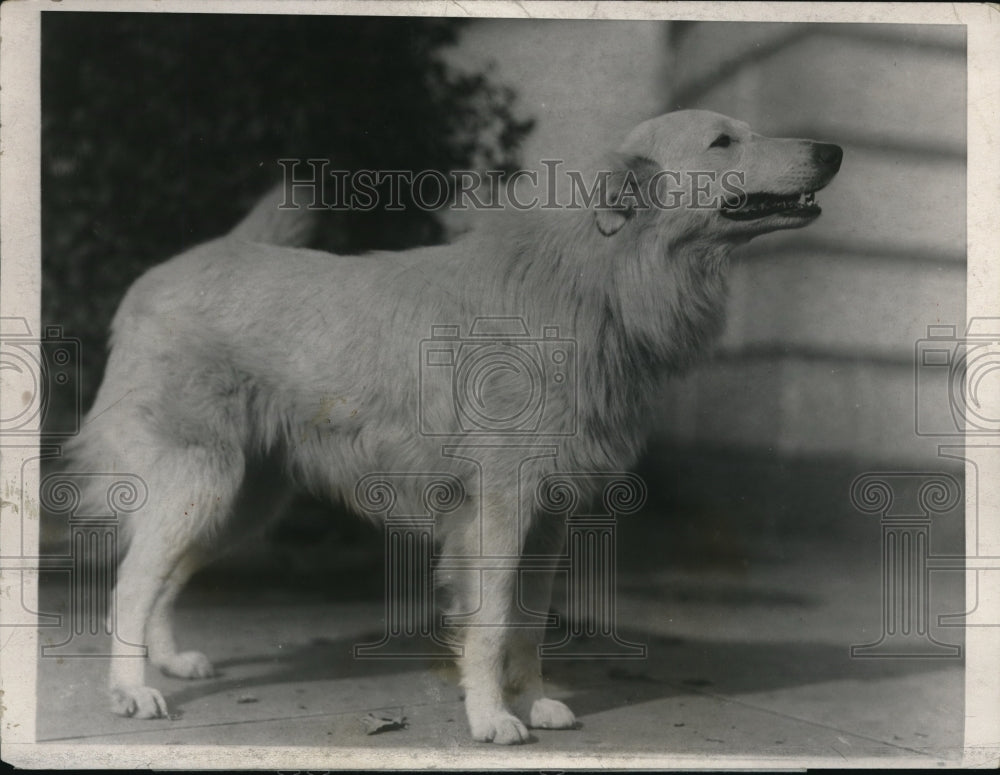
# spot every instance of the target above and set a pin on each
(240, 352)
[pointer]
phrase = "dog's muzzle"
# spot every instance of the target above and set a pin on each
(796, 207)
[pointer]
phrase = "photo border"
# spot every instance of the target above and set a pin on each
(20, 287)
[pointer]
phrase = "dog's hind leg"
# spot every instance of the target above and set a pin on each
(159, 631)
(190, 494)
(264, 495)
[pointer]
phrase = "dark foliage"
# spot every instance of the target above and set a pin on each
(160, 130)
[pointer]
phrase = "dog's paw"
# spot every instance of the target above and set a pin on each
(138, 702)
(550, 714)
(499, 727)
(187, 664)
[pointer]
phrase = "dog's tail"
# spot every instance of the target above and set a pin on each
(269, 222)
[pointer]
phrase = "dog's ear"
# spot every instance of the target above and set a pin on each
(624, 189)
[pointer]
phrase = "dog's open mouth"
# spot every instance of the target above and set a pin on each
(757, 206)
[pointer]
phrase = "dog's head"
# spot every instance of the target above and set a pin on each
(699, 172)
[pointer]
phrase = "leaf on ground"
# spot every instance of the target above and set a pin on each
(382, 721)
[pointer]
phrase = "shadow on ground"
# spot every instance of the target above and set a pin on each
(673, 666)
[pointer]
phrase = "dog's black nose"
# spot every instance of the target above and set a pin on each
(829, 155)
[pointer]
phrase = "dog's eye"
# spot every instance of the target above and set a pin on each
(722, 141)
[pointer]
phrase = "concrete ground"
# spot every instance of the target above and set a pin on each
(747, 656)
(754, 665)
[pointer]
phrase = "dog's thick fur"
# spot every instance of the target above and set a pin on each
(240, 350)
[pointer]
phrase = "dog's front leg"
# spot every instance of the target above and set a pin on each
(546, 542)
(487, 632)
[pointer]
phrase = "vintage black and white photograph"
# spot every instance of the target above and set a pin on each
(499, 385)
